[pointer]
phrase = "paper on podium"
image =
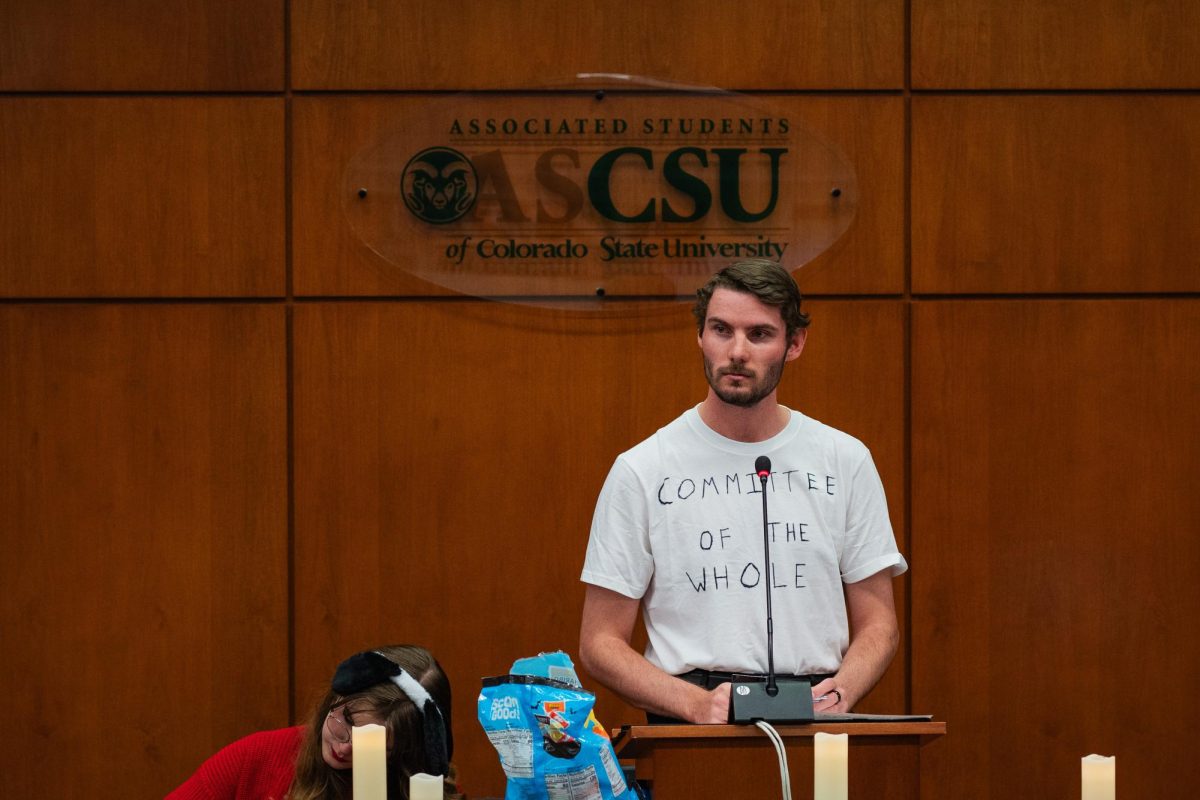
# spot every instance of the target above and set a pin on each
(822, 717)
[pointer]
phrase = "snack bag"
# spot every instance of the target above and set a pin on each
(551, 745)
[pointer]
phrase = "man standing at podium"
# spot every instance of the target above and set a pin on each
(678, 532)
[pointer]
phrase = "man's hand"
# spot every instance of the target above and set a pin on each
(714, 708)
(835, 699)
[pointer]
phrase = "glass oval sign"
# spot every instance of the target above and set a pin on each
(634, 189)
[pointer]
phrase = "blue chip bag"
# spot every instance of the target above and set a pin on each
(551, 746)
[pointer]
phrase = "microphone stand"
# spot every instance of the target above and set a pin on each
(751, 701)
(772, 688)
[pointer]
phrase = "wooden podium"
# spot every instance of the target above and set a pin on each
(728, 762)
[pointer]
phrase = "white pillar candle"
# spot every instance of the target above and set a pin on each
(831, 770)
(1099, 777)
(369, 761)
(425, 787)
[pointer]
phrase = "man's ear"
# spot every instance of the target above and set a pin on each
(796, 346)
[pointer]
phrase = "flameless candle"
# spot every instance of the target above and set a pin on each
(831, 772)
(425, 787)
(369, 761)
(1099, 777)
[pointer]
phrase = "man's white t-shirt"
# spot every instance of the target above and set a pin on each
(679, 525)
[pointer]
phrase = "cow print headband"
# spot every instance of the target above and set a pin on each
(363, 670)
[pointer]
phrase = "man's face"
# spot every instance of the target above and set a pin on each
(745, 345)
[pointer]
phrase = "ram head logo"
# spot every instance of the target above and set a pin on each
(439, 185)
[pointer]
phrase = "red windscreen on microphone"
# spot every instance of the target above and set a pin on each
(762, 466)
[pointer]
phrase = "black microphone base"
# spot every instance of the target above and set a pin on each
(792, 705)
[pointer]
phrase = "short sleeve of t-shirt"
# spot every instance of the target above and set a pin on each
(865, 549)
(619, 555)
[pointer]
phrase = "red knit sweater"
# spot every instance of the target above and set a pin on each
(258, 767)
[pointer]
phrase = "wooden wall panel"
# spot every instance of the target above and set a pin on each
(538, 43)
(446, 498)
(141, 45)
(146, 197)
(143, 509)
(1053, 520)
(332, 133)
(1055, 194)
(1061, 44)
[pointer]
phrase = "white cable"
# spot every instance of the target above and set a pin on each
(784, 775)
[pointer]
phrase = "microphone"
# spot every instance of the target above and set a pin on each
(750, 702)
(762, 467)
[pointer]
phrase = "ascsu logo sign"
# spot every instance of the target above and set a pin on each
(552, 198)
(505, 708)
(440, 184)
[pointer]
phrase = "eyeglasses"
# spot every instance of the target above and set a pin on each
(341, 724)
(339, 728)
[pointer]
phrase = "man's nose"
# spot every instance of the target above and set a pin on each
(739, 348)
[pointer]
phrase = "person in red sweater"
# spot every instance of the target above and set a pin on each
(401, 687)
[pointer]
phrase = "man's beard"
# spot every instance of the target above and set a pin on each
(753, 389)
